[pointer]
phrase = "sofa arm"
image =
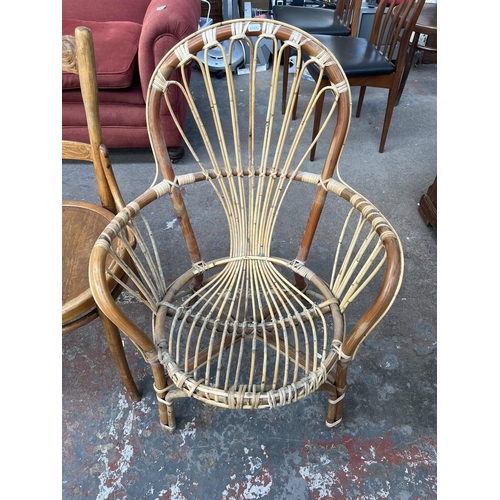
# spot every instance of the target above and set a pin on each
(165, 24)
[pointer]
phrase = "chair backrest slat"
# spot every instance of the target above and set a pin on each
(349, 12)
(393, 25)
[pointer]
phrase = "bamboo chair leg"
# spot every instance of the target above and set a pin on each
(336, 406)
(116, 347)
(165, 407)
(361, 97)
(391, 103)
(335, 409)
(335, 396)
(170, 415)
(329, 387)
(333, 406)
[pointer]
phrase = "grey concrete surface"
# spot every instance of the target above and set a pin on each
(386, 445)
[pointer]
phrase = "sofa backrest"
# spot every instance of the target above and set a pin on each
(105, 10)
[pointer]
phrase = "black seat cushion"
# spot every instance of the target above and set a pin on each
(357, 56)
(314, 21)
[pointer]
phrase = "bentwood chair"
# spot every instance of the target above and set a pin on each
(343, 21)
(378, 62)
(82, 222)
(252, 314)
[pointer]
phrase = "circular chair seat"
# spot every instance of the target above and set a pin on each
(82, 223)
(247, 338)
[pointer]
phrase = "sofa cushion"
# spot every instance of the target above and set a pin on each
(115, 48)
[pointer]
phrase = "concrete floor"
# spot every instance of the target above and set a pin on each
(386, 444)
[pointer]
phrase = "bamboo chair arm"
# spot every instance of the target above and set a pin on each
(98, 268)
(394, 266)
(105, 301)
(100, 272)
(383, 301)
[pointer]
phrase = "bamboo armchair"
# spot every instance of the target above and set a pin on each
(82, 222)
(251, 325)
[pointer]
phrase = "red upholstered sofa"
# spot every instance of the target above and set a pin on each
(130, 38)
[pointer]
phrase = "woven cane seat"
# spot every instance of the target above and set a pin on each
(247, 339)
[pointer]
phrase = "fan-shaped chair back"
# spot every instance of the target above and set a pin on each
(255, 143)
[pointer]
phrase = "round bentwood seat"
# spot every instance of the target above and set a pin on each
(82, 223)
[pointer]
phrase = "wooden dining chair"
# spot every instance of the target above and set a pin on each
(343, 21)
(83, 222)
(250, 314)
(377, 62)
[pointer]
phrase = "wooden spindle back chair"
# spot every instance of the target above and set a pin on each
(249, 323)
(343, 21)
(377, 62)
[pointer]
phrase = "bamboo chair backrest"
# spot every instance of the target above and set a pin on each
(251, 161)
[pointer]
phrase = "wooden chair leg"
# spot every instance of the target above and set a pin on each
(317, 121)
(116, 347)
(361, 97)
(295, 103)
(391, 102)
(409, 63)
(427, 208)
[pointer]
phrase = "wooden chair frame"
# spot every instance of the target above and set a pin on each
(80, 219)
(392, 29)
(250, 329)
(348, 12)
